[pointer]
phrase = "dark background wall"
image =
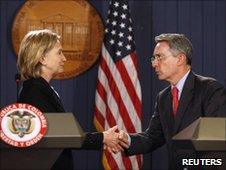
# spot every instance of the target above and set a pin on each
(203, 22)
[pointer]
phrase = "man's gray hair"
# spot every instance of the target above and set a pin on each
(178, 43)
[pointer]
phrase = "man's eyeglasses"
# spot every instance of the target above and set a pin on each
(158, 57)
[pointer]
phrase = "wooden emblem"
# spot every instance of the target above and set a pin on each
(78, 24)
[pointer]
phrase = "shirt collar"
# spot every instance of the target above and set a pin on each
(181, 82)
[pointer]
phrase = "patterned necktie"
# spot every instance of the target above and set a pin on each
(175, 101)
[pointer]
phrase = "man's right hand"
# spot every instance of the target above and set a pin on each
(123, 139)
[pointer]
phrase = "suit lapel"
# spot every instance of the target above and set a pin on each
(168, 110)
(185, 99)
(57, 101)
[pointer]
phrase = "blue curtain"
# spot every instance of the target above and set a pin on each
(203, 22)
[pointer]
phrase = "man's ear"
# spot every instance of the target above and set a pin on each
(181, 58)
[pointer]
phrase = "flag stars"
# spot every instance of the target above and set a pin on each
(115, 13)
(128, 47)
(116, 4)
(112, 41)
(120, 43)
(125, 7)
(123, 16)
(121, 34)
(130, 38)
(118, 53)
(119, 37)
(113, 32)
(114, 23)
(122, 25)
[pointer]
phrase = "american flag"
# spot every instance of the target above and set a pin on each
(118, 93)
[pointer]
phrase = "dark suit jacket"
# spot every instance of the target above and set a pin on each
(38, 92)
(200, 97)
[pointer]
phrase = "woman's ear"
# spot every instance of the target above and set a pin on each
(42, 60)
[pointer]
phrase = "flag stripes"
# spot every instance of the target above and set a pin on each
(118, 92)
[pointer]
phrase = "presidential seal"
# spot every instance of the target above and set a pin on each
(22, 125)
(78, 24)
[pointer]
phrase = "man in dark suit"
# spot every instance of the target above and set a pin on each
(188, 97)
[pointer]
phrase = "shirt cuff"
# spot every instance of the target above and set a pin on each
(129, 139)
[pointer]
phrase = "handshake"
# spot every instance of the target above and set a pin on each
(115, 141)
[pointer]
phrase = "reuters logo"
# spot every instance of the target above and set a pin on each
(22, 125)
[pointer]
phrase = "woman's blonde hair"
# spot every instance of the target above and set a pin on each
(33, 47)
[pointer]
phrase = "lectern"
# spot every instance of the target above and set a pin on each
(206, 135)
(63, 132)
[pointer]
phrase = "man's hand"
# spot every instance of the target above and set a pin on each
(123, 139)
(111, 140)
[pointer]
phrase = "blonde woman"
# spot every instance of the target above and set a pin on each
(40, 59)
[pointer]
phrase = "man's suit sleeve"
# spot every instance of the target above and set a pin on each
(215, 100)
(149, 140)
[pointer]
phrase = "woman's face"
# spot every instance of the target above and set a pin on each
(53, 62)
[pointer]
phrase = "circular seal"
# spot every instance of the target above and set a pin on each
(78, 24)
(22, 125)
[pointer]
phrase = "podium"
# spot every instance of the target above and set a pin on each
(207, 136)
(204, 134)
(63, 132)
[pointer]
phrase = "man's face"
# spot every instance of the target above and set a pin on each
(165, 64)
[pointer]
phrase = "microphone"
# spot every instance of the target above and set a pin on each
(17, 79)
